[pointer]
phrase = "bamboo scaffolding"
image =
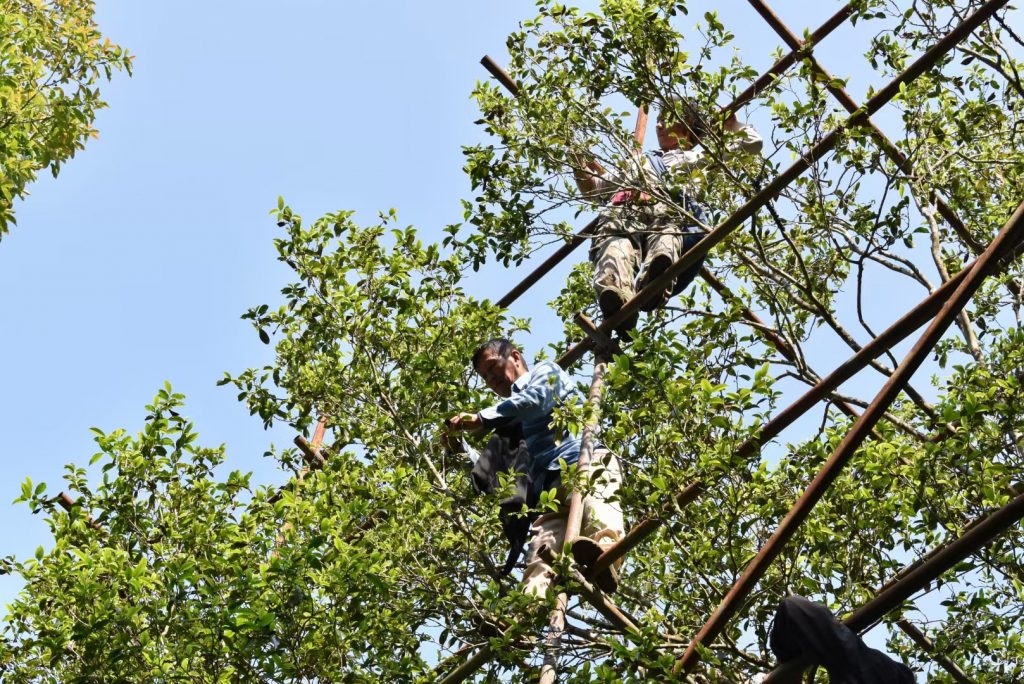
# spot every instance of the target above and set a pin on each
(1009, 235)
(891, 336)
(597, 337)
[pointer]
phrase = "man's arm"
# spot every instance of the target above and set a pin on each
(589, 175)
(539, 396)
(746, 141)
(533, 398)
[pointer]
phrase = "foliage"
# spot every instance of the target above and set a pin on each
(53, 58)
(382, 564)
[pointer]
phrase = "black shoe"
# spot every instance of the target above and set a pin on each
(655, 267)
(610, 301)
(586, 551)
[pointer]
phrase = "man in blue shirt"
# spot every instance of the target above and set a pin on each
(530, 397)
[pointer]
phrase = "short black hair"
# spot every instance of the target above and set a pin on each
(500, 346)
(684, 110)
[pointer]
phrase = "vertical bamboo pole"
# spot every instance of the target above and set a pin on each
(574, 521)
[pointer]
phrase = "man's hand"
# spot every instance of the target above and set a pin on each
(463, 421)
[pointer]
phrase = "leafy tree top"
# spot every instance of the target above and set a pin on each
(52, 60)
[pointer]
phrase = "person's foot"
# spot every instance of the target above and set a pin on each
(655, 266)
(586, 551)
(610, 300)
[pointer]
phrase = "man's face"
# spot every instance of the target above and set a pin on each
(672, 136)
(499, 373)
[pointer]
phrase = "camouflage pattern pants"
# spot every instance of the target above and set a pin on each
(631, 239)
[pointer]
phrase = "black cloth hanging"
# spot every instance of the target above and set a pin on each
(805, 628)
(506, 452)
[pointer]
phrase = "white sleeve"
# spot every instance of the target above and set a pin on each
(745, 141)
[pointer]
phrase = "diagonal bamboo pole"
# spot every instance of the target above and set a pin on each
(597, 598)
(777, 69)
(1008, 235)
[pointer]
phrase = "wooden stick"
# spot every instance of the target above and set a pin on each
(641, 127)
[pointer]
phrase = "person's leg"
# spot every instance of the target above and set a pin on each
(616, 260)
(688, 276)
(662, 246)
(602, 517)
(548, 529)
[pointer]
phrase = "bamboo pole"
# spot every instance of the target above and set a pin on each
(1009, 234)
(574, 521)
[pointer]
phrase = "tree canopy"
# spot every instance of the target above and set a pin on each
(381, 565)
(53, 59)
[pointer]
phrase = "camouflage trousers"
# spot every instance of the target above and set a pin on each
(632, 240)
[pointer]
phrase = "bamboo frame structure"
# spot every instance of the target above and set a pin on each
(941, 308)
(1012, 231)
(943, 305)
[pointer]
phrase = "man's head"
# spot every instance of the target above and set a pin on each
(500, 364)
(682, 125)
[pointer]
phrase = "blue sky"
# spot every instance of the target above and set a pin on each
(134, 266)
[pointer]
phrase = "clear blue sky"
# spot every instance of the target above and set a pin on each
(134, 266)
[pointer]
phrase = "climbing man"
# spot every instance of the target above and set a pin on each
(529, 398)
(651, 213)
